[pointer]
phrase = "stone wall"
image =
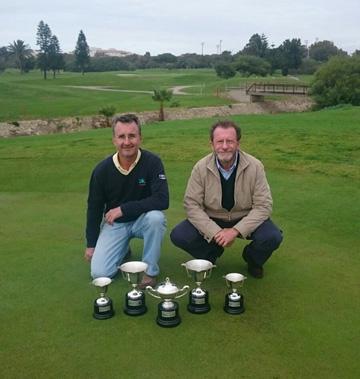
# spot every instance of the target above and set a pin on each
(76, 124)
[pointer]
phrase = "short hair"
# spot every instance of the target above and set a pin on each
(127, 118)
(225, 124)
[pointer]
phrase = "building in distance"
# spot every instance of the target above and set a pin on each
(99, 52)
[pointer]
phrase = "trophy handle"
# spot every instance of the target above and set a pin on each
(152, 292)
(184, 291)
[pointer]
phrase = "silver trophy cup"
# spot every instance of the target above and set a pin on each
(234, 301)
(168, 309)
(199, 270)
(135, 299)
(103, 306)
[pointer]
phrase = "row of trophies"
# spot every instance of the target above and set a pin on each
(168, 308)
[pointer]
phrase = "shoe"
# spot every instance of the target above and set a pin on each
(253, 269)
(147, 281)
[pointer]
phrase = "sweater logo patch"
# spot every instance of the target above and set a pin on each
(142, 182)
(162, 177)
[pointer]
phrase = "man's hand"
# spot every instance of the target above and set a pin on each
(226, 237)
(89, 252)
(112, 215)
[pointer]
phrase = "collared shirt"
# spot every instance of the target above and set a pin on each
(227, 173)
(121, 169)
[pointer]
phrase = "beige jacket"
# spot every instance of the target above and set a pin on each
(202, 200)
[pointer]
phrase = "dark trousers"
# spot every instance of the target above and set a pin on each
(264, 240)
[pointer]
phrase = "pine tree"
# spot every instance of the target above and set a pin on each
(44, 42)
(56, 61)
(82, 52)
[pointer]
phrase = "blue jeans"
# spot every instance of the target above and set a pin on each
(113, 244)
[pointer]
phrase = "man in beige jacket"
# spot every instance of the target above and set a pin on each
(228, 197)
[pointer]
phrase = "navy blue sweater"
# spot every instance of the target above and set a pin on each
(144, 189)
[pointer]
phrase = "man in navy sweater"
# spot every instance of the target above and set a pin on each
(127, 193)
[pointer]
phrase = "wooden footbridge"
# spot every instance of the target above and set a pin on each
(258, 90)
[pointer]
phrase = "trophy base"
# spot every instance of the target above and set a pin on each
(135, 307)
(168, 318)
(199, 305)
(103, 312)
(234, 307)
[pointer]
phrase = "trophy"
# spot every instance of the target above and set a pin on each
(103, 306)
(234, 301)
(135, 299)
(198, 270)
(168, 309)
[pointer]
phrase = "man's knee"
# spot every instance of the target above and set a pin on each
(268, 234)
(98, 272)
(155, 219)
(177, 237)
(273, 238)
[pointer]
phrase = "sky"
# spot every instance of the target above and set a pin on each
(185, 26)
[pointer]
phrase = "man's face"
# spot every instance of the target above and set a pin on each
(225, 145)
(127, 140)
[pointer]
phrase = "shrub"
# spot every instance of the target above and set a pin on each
(225, 71)
(108, 112)
(250, 65)
(337, 82)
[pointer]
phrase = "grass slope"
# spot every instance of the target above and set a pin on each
(302, 320)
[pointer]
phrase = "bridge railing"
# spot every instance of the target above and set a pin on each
(264, 88)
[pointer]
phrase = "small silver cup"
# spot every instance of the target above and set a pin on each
(103, 306)
(234, 301)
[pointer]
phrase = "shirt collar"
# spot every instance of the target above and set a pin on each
(227, 173)
(121, 169)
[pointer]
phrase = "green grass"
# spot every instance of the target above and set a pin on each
(29, 96)
(301, 321)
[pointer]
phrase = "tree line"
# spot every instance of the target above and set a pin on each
(256, 58)
(48, 57)
(336, 79)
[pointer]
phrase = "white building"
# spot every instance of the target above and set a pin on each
(108, 52)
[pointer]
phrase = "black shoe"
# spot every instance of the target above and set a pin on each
(254, 270)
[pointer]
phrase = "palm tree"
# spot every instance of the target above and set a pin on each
(21, 52)
(162, 95)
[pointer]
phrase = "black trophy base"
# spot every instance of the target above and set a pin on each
(168, 317)
(103, 312)
(234, 307)
(199, 305)
(135, 307)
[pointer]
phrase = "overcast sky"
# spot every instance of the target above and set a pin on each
(178, 27)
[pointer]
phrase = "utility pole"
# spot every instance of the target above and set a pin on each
(202, 48)
(220, 46)
(307, 49)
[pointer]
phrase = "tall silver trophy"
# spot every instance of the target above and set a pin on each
(198, 270)
(135, 299)
(103, 306)
(168, 309)
(234, 301)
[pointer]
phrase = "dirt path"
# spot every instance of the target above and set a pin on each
(177, 90)
(103, 88)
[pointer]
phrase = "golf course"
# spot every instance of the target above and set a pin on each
(302, 320)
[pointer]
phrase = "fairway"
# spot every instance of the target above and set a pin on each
(28, 96)
(302, 320)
